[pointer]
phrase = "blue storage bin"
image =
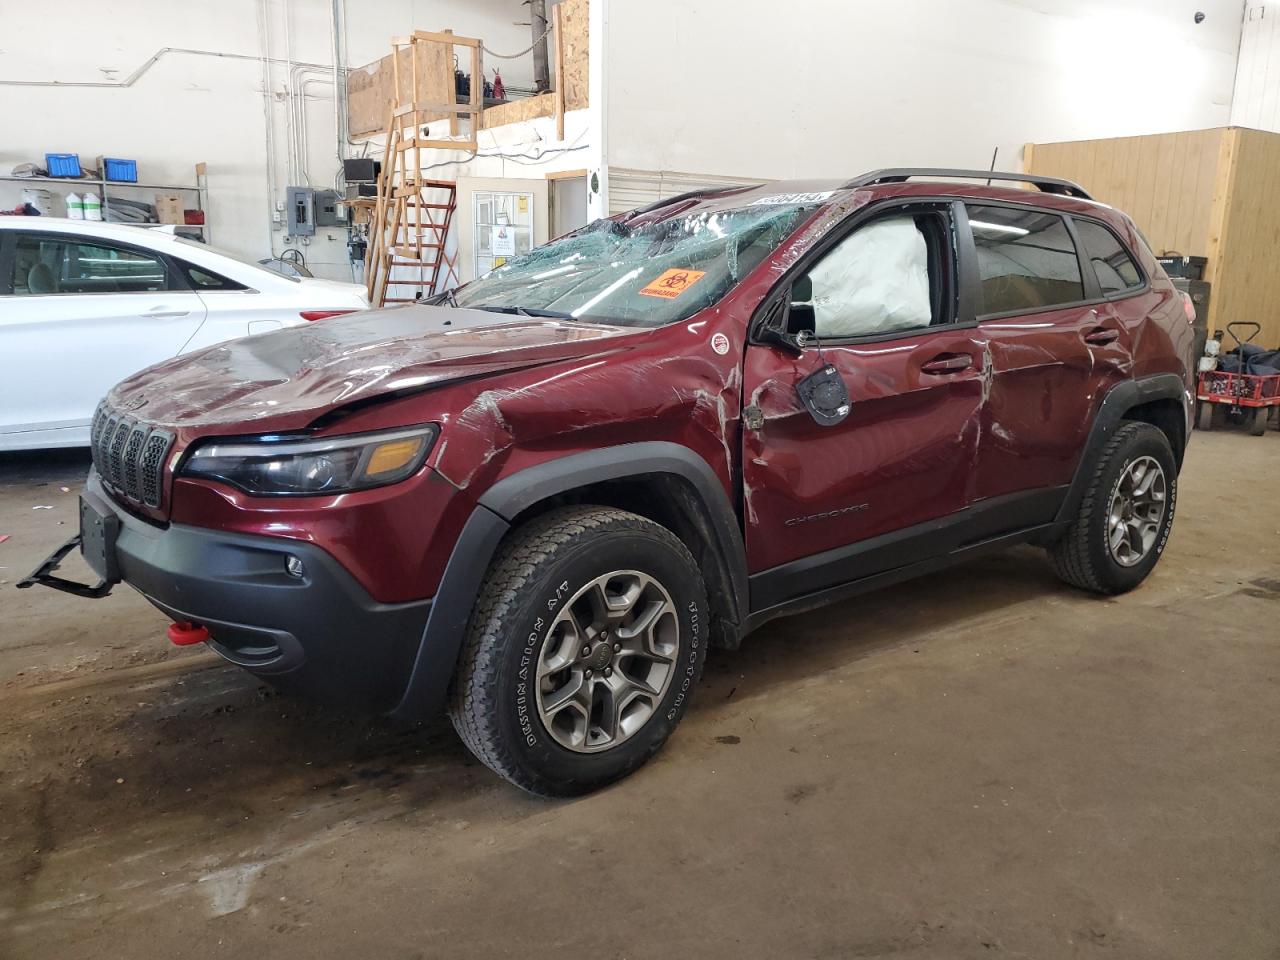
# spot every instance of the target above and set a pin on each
(121, 171)
(62, 164)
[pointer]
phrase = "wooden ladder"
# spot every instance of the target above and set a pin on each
(412, 215)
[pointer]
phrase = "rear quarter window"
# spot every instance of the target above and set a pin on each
(202, 278)
(1112, 263)
(1026, 260)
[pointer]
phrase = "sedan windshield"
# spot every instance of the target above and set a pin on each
(648, 274)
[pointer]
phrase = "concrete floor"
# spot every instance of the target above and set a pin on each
(981, 764)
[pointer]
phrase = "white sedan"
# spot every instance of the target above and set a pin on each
(85, 304)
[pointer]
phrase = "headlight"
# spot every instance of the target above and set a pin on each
(270, 467)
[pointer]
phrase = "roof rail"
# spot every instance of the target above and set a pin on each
(900, 175)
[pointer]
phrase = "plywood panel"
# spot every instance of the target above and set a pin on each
(1247, 281)
(574, 15)
(1165, 182)
(528, 108)
(371, 89)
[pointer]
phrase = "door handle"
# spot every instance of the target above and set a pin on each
(947, 363)
(167, 313)
(1101, 336)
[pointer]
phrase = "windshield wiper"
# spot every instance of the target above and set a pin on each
(528, 311)
(436, 299)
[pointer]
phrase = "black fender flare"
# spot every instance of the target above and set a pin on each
(1118, 401)
(493, 517)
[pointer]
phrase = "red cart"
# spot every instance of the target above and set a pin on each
(1249, 397)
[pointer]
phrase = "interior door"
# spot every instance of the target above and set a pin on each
(568, 201)
(80, 315)
(498, 218)
(829, 504)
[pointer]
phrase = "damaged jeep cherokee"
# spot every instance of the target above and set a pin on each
(539, 499)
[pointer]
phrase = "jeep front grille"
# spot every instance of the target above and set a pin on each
(129, 456)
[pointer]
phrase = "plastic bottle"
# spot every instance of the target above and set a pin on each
(75, 207)
(92, 204)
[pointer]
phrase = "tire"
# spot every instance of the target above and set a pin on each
(1204, 416)
(553, 597)
(1258, 422)
(1084, 557)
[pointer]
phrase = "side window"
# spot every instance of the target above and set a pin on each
(199, 278)
(1026, 260)
(50, 264)
(886, 276)
(1111, 262)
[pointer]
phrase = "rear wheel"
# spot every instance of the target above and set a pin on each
(1125, 517)
(586, 641)
(1258, 421)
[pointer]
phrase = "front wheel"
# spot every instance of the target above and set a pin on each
(1258, 421)
(1125, 516)
(585, 644)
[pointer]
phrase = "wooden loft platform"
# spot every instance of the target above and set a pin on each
(370, 89)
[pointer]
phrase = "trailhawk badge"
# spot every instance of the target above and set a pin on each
(720, 343)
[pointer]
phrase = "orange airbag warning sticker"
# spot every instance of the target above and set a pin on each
(672, 283)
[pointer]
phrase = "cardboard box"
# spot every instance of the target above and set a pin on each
(169, 208)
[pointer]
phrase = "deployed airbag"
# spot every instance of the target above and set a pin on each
(875, 281)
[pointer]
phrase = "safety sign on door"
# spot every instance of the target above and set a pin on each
(503, 241)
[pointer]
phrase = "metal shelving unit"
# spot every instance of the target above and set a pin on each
(200, 189)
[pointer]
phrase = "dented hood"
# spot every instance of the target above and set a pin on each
(288, 377)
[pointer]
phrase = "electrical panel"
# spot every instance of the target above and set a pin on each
(329, 212)
(300, 211)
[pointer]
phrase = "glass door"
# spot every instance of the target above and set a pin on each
(498, 218)
(504, 224)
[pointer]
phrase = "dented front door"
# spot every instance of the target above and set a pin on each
(903, 456)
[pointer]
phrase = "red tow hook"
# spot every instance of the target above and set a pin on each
(185, 633)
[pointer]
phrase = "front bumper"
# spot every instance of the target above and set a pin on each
(320, 634)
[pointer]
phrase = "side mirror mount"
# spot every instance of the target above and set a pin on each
(793, 343)
(774, 329)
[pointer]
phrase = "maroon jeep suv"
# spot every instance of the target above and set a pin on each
(540, 498)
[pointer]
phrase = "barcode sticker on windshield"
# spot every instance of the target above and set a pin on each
(672, 283)
(793, 198)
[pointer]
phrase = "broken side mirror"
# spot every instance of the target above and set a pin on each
(792, 343)
(826, 396)
(774, 329)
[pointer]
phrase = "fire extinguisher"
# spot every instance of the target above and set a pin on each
(499, 91)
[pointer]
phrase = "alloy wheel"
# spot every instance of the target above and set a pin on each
(1136, 511)
(607, 660)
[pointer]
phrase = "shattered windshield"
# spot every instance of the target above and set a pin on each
(647, 274)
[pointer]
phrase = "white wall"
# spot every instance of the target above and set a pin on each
(757, 88)
(1257, 96)
(709, 86)
(188, 108)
